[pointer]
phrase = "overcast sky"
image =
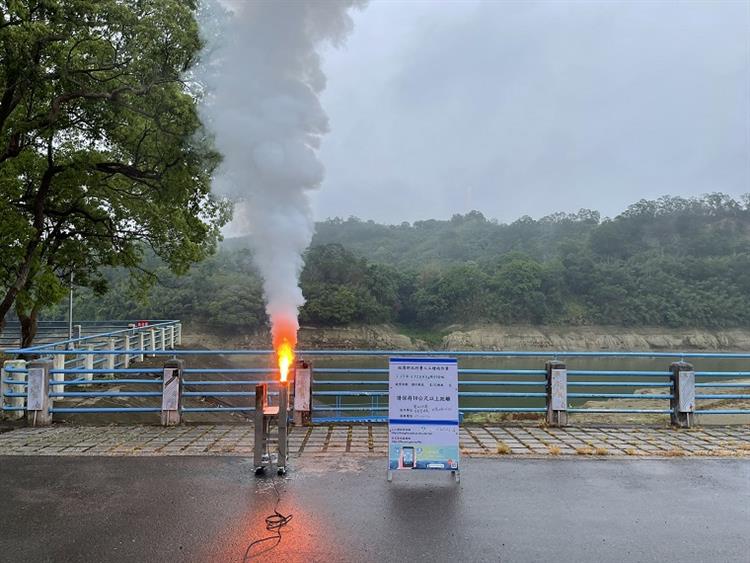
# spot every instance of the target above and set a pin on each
(517, 108)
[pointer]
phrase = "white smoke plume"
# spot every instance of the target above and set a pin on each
(262, 77)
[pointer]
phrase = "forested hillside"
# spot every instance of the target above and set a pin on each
(672, 262)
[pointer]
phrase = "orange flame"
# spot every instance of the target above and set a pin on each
(284, 333)
(285, 356)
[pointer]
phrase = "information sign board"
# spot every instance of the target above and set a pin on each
(423, 413)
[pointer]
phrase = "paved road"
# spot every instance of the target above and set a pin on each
(209, 508)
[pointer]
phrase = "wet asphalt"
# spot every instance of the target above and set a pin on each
(210, 508)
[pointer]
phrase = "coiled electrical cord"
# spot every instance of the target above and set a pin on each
(274, 523)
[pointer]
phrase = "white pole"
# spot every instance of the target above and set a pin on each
(140, 344)
(126, 347)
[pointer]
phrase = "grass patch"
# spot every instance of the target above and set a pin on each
(503, 448)
(496, 417)
(631, 451)
(554, 450)
(744, 447)
(584, 451)
(601, 451)
(674, 452)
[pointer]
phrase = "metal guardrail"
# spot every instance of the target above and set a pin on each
(85, 368)
(53, 332)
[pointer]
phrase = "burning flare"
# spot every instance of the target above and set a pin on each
(284, 332)
(285, 356)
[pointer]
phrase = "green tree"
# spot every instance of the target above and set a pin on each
(101, 150)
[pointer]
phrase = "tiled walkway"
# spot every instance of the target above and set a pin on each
(475, 441)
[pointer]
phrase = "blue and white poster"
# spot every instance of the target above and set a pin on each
(423, 413)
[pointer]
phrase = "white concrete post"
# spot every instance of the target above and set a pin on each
(163, 338)
(179, 334)
(140, 345)
(153, 340)
(110, 362)
(171, 337)
(13, 402)
(58, 362)
(126, 347)
(88, 363)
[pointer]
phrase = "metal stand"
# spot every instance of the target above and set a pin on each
(265, 415)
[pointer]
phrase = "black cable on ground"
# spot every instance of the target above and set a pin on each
(274, 523)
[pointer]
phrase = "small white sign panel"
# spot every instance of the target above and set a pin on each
(686, 382)
(35, 389)
(302, 390)
(170, 390)
(559, 389)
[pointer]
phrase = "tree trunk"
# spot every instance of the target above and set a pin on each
(28, 326)
(22, 274)
(22, 277)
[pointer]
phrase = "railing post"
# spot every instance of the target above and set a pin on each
(162, 338)
(682, 402)
(557, 393)
(179, 334)
(171, 337)
(14, 402)
(126, 348)
(88, 363)
(152, 332)
(171, 395)
(111, 357)
(37, 401)
(58, 363)
(140, 345)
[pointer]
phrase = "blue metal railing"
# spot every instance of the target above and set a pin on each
(361, 393)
